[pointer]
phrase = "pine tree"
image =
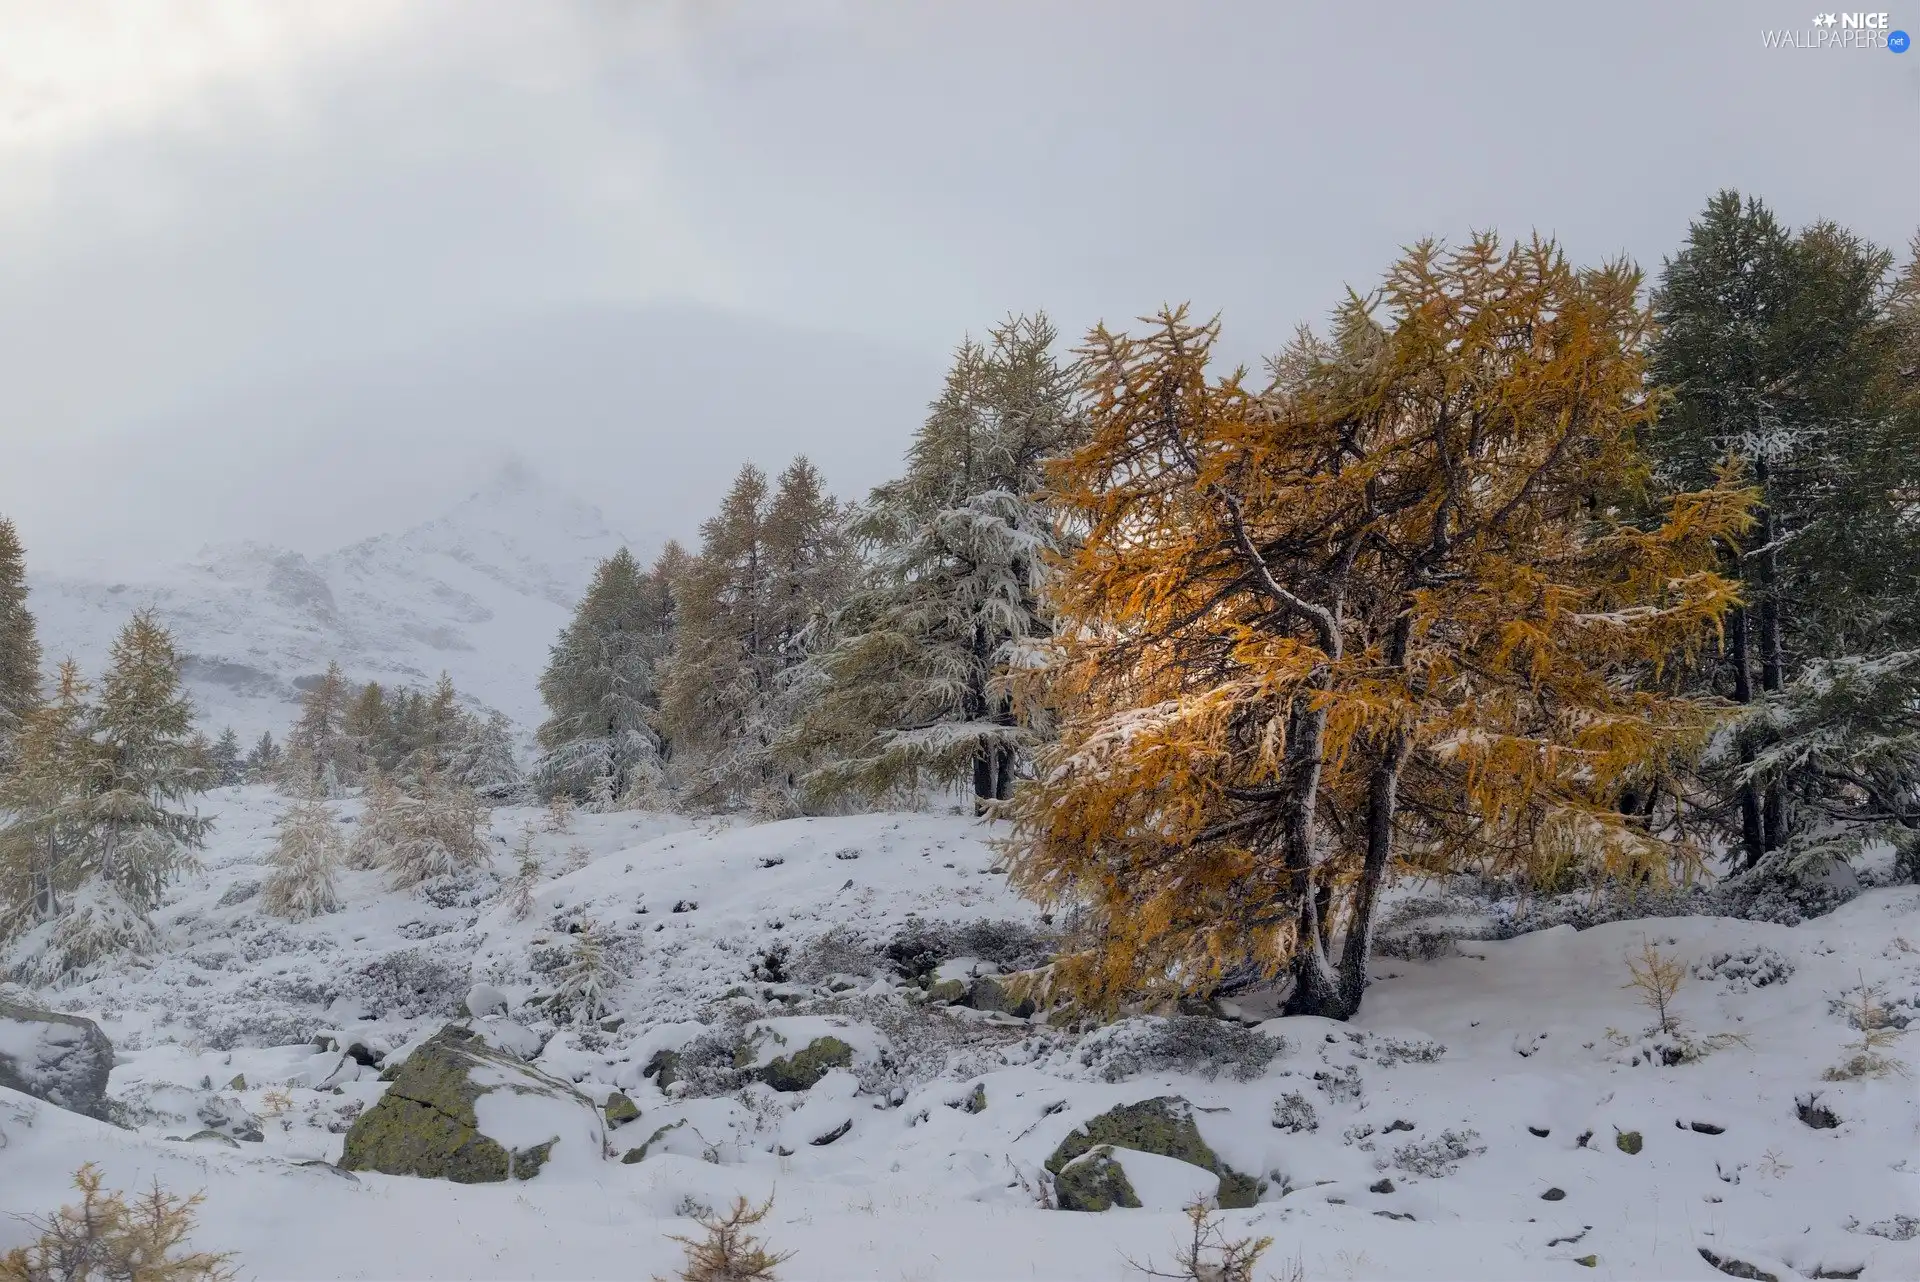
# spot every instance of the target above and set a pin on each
(306, 857)
(438, 836)
(481, 757)
(601, 689)
(367, 733)
(141, 836)
(1775, 352)
(19, 648)
(263, 760)
(913, 689)
(771, 565)
(314, 749)
(47, 804)
(586, 981)
(223, 760)
(382, 825)
(1393, 607)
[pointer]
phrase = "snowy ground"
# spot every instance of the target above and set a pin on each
(1472, 1084)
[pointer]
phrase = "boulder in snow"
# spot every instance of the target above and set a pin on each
(460, 1109)
(62, 1059)
(1162, 1126)
(800, 1070)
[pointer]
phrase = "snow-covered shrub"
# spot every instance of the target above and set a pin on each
(586, 980)
(839, 951)
(918, 947)
(99, 923)
(1754, 967)
(1182, 1044)
(1294, 1113)
(1438, 1157)
(410, 983)
(439, 835)
(1388, 1051)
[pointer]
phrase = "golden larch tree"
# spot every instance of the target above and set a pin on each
(1402, 603)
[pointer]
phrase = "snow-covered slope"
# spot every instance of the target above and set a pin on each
(479, 592)
(1494, 1114)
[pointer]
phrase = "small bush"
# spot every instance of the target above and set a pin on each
(1210, 1256)
(1436, 1158)
(104, 1239)
(1184, 1044)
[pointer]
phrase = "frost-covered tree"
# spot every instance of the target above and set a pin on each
(263, 760)
(1776, 355)
(438, 834)
(585, 983)
(45, 806)
(482, 758)
(601, 688)
(224, 765)
(910, 693)
(19, 647)
(315, 750)
(142, 830)
(366, 730)
(307, 855)
(773, 563)
(382, 823)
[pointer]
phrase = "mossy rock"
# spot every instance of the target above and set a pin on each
(620, 1110)
(1093, 1181)
(239, 1082)
(664, 1068)
(211, 1136)
(425, 1125)
(990, 993)
(800, 1070)
(639, 1152)
(1164, 1126)
(976, 1099)
(1628, 1142)
(947, 990)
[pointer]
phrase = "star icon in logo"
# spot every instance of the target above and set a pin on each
(1824, 20)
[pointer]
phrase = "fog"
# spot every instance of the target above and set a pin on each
(302, 273)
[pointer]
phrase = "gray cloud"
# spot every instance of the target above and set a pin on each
(326, 282)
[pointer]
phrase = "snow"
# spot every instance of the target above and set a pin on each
(1458, 1099)
(480, 592)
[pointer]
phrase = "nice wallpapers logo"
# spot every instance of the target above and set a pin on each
(1840, 31)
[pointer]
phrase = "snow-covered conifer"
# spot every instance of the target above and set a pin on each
(381, 826)
(45, 801)
(141, 833)
(481, 756)
(911, 692)
(316, 742)
(306, 856)
(224, 760)
(262, 762)
(439, 834)
(772, 565)
(19, 649)
(586, 981)
(601, 689)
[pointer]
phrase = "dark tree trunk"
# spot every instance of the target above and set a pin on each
(1383, 799)
(1773, 803)
(1752, 834)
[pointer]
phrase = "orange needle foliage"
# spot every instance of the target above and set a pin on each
(1395, 606)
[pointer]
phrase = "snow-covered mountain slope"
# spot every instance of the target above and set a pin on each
(1498, 1113)
(479, 592)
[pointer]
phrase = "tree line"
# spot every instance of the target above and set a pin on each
(1516, 567)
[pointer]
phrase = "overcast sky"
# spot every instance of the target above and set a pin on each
(303, 272)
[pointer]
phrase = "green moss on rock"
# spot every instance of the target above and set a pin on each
(1164, 1126)
(990, 993)
(619, 1109)
(639, 1152)
(425, 1124)
(947, 990)
(1093, 1181)
(1628, 1142)
(800, 1070)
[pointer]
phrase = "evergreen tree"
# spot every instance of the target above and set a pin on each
(771, 566)
(586, 981)
(367, 732)
(141, 833)
(223, 760)
(382, 825)
(601, 690)
(263, 760)
(482, 756)
(438, 834)
(46, 804)
(1777, 354)
(19, 648)
(315, 749)
(912, 691)
(306, 857)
